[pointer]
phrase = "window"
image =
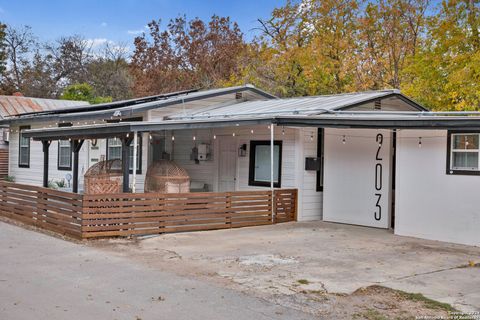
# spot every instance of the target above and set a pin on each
(24, 149)
(114, 151)
(259, 171)
(320, 143)
(463, 153)
(64, 151)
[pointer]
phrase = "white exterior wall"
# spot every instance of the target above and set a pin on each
(34, 174)
(357, 177)
(429, 203)
(310, 201)
(297, 143)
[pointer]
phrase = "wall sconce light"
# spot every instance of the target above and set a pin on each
(242, 151)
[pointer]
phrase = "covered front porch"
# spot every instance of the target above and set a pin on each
(229, 199)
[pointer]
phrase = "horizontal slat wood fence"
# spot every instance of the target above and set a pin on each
(45, 208)
(126, 214)
(3, 163)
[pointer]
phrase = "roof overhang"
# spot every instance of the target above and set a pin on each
(383, 122)
(361, 121)
(110, 130)
(117, 110)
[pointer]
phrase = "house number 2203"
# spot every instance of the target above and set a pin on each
(378, 178)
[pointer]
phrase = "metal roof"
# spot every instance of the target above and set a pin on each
(134, 106)
(16, 105)
(303, 105)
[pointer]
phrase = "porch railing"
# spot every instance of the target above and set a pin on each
(127, 214)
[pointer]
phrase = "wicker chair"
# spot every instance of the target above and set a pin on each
(165, 176)
(104, 177)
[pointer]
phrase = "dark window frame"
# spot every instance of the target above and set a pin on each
(451, 171)
(321, 156)
(251, 168)
(139, 151)
(59, 167)
(20, 148)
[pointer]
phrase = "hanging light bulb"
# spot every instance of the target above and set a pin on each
(344, 140)
(214, 136)
(150, 136)
(233, 134)
(194, 138)
(251, 131)
(268, 127)
(128, 135)
(173, 137)
(311, 136)
(283, 131)
(419, 142)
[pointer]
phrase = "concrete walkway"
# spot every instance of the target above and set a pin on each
(42, 277)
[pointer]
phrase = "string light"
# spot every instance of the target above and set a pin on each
(343, 139)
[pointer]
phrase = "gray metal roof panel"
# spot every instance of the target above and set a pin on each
(303, 105)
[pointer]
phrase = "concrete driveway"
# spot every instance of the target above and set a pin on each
(277, 262)
(42, 277)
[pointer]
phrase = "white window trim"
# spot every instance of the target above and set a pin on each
(452, 151)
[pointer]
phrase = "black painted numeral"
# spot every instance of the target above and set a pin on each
(378, 178)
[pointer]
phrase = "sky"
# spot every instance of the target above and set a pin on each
(119, 21)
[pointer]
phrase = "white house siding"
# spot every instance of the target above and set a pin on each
(297, 143)
(34, 174)
(310, 200)
(430, 203)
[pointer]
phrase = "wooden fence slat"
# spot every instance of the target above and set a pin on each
(126, 214)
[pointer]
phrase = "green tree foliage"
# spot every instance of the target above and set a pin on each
(83, 92)
(445, 73)
(428, 49)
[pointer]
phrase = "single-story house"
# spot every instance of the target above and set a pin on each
(18, 104)
(375, 159)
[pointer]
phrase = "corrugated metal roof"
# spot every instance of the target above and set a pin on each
(129, 107)
(14, 105)
(303, 105)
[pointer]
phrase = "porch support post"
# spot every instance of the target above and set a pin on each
(134, 164)
(125, 162)
(45, 145)
(272, 136)
(77, 145)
